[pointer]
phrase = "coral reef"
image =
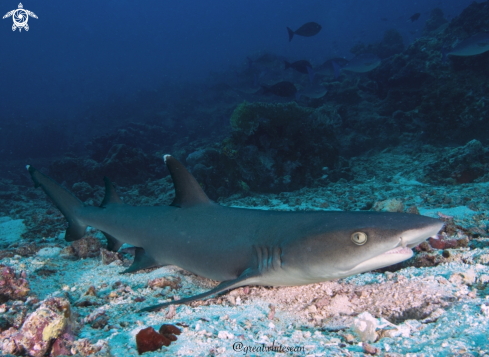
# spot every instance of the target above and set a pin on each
(247, 116)
(51, 326)
(85, 247)
(462, 164)
(436, 20)
(12, 286)
(391, 44)
(274, 147)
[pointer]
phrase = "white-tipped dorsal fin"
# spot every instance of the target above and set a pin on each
(187, 190)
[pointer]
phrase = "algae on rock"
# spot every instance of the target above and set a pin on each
(246, 117)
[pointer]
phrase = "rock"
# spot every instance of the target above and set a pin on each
(174, 284)
(74, 169)
(255, 157)
(166, 329)
(412, 210)
(12, 286)
(82, 190)
(148, 340)
(169, 331)
(437, 19)
(392, 205)
(87, 300)
(462, 164)
(41, 328)
(85, 348)
(100, 322)
(109, 257)
(62, 346)
(364, 326)
(436, 243)
(27, 250)
(49, 252)
(371, 350)
(87, 247)
(469, 277)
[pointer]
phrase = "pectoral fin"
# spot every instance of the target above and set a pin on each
(248, 277)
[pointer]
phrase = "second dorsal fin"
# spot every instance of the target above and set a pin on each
(110, 194)
(187, 190)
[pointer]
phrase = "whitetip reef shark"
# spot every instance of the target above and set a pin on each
(239, 246)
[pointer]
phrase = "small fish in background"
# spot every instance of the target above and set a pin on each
(281, 89)
(314, 90)
(336, 68)
(307, 30)
(471, 46)
(384, 19)
(363, 63)
(299, 66)
(331, 67)
(415, 17)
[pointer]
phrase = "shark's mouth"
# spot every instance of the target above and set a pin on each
(393, 256)
(398, 250)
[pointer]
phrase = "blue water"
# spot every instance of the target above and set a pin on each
(78, 53)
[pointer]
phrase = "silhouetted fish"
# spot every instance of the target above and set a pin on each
(314, 91)
(327, 68)
(299, 66)
(362, 63)
(415, 16)
(282, 89)
(471, 46)
(306, 30)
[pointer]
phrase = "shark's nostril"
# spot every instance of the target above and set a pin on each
(403, 242)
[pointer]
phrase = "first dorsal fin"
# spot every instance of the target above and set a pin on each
(187, 190)
(110, 194)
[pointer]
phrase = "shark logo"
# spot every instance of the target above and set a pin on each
(20, 17)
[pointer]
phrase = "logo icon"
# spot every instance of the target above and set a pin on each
(20, 17)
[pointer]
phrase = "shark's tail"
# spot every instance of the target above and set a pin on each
(66, 202)
(71, 206)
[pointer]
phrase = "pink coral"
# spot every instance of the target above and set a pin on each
(12, 286)
(51, 321)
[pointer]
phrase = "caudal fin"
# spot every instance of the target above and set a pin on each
(66, 202)
(291, 33)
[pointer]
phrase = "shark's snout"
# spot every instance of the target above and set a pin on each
(401, 249)
(411, 238)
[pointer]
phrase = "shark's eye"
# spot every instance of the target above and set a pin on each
(359, 238)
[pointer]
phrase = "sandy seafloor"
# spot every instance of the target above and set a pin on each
(422, 311)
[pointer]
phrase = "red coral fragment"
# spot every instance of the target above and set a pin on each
(437, 243)
(148, 340)
(166, 329)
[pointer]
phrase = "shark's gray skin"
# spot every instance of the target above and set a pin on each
(242, 246)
